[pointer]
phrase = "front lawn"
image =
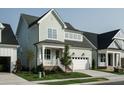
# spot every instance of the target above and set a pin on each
(74, 81)
(50, 76)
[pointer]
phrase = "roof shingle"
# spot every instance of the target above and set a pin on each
(8, 36)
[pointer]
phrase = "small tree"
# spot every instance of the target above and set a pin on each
(30, 56)
(66, 59)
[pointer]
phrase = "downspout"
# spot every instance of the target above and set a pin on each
(97, 57)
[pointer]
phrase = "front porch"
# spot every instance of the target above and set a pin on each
(108, 58)
(49, 55)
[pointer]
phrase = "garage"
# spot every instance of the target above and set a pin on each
(8, 48)
(80, 63)
(4, 64)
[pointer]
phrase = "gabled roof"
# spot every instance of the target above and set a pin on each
(8, 36)
(100, 41)
(105, 39)
(92, 37)
(37, 19)
(29, 18)
(40, 18)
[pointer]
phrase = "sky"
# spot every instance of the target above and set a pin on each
(96, 20)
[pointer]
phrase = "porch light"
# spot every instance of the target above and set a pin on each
(73, 54)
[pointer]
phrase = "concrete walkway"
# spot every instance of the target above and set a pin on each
(57, 80)
(12, 79)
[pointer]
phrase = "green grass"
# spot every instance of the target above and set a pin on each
(59, 75)
(74, 81)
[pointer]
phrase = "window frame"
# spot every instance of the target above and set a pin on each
(47, 54)
(73, 36)
(102, 57)
(52, 34)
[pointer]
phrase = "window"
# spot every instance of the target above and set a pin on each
(52, 34)
(47, 55)
(102, 58)
(49, 33)
(66, 35)
(73, 36)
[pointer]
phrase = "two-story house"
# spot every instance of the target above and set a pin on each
(47, 35)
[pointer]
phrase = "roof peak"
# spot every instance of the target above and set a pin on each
(110, 31)
(2, 26)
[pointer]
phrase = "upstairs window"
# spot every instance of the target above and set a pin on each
(73, 36)
(52, 34)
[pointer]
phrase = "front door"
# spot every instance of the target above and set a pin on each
(110, 59)
(57, 54)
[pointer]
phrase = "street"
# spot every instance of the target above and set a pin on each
(112, 83)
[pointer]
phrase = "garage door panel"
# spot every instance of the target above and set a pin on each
(81, 63)
(5, 64)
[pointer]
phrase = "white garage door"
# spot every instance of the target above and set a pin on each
(80, 63)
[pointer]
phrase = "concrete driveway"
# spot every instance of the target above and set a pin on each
(12, 79)
(110, 76)
(95, 73)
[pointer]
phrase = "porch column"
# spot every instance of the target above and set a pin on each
(113, 56)
(39, 56)
(106, 59)
(120, 60)
(43, 48)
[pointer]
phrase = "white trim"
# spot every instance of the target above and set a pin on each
(7, 45)
(2, 26)
(73, 39)
(118, 37)
(89, 41)
(52, 10)
(71, 47)
(113, 42)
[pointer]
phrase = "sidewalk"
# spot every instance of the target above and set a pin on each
(55, 80)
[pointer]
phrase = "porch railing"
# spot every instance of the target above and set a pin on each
(50, 63)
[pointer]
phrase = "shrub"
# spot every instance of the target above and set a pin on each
(54, 70)
(93, 64)
(116, 69)
(66, 58)
(18, 65)
(1, 67)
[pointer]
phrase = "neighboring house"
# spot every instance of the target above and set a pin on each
(8, 48)
(110, 47)
(47, 35)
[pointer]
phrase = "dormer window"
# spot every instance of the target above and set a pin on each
(52, 33)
